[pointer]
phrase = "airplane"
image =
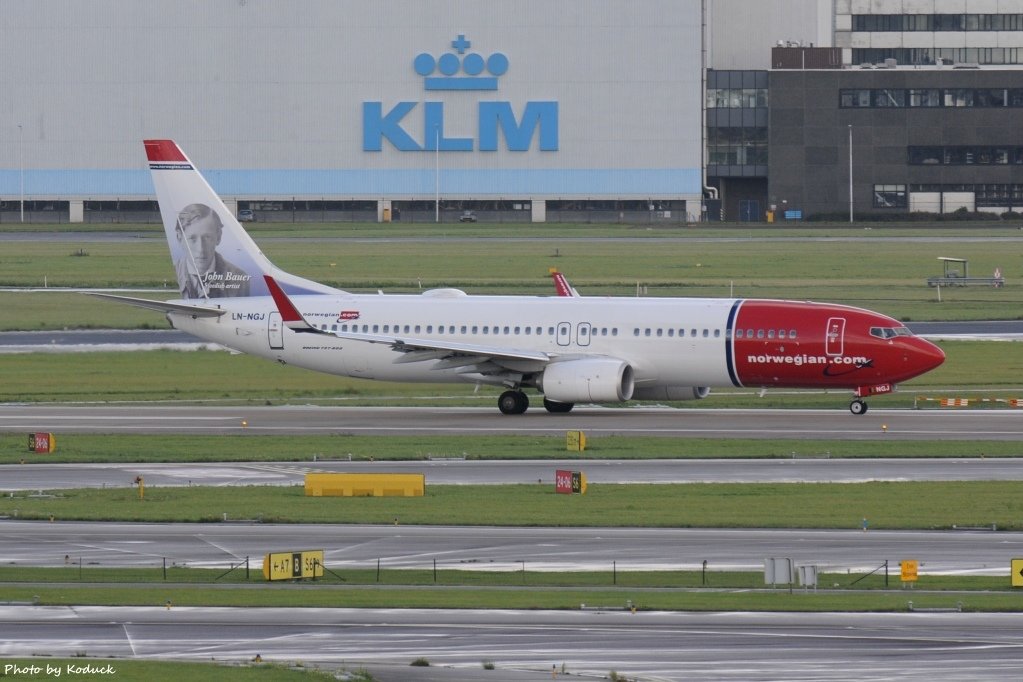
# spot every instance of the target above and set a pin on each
(570, 349)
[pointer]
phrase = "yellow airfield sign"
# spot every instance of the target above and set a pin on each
(293, 565)
(1016, 573)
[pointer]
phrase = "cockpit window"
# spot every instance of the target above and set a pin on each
(889, 332)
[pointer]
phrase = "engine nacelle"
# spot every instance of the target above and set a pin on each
(672, 393)
(598, 380)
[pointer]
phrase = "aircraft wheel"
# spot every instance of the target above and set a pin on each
(858, 407)
(513, 402)
(557, 408)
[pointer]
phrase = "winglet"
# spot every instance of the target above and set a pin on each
(289, 313)
(561, 284)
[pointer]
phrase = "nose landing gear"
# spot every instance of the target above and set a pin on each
(858, 407)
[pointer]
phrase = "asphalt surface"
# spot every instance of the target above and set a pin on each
(538, 645)
(226, 544)
(891, 424)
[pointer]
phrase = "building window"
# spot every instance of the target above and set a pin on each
(736, 98)
(890, 196)
(925, 97)
(965, 156)
(889, 97)
(854, 98)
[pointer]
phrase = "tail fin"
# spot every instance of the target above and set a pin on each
(213, 255)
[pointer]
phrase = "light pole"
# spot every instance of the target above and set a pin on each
(21, 168)
(850, 176)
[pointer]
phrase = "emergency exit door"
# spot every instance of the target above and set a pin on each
(275, 331)
(834, 340)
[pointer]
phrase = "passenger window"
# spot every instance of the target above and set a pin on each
(792, 333)
(464, 329)
(705, 334)
(781, 333)
(614, 331)
(646, 332)
(418, 328)
(671, 333)
(760, 333)
(717, 333)
(770, 333)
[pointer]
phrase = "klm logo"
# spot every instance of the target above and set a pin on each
(496, 120)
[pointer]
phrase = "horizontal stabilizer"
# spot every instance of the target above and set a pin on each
(163, 306)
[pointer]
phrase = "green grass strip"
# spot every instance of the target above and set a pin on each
(89, 668)
(220, 378)
(910, 505)
(305, 596)
(129, 449)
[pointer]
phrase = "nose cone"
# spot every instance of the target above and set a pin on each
(925, 356)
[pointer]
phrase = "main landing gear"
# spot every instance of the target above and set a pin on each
(513, 402)
(858, 407)
(516, 402)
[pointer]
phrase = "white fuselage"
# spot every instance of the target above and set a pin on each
(667, 342)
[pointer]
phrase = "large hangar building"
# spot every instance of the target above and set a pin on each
(389, 108)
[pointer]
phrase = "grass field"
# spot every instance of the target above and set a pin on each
(194, 377)
(92, 669)
(392, 588)
(122, 448)
(887, 505)
(881, 269)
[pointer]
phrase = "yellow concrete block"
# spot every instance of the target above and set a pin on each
(365, 485)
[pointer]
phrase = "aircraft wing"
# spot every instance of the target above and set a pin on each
(450, 353)
(163, 306)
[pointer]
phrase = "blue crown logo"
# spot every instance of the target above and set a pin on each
(472, 65)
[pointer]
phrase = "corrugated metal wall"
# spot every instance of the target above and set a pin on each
(267, 95)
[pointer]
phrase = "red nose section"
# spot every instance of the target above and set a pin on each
(926, 356)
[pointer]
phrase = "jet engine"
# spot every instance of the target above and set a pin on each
(672, 393)
(597, 380)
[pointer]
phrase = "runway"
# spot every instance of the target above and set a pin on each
(890, 424)
(221, 545)
(538, 645)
